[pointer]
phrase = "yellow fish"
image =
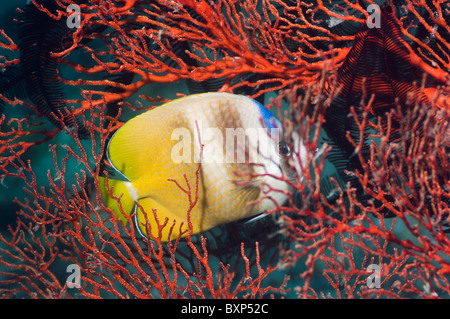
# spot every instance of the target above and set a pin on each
(223, 150)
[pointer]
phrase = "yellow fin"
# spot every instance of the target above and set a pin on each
(120, 189)
(162, 212)
(247, 194)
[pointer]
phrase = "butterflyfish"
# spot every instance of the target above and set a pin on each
(219, 156)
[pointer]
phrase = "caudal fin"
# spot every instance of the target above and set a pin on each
(119, 189)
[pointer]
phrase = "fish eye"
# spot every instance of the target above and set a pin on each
(284, 149)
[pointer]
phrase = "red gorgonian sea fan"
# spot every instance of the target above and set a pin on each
(367, 219)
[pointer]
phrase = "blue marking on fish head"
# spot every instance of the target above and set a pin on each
(270, 121)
